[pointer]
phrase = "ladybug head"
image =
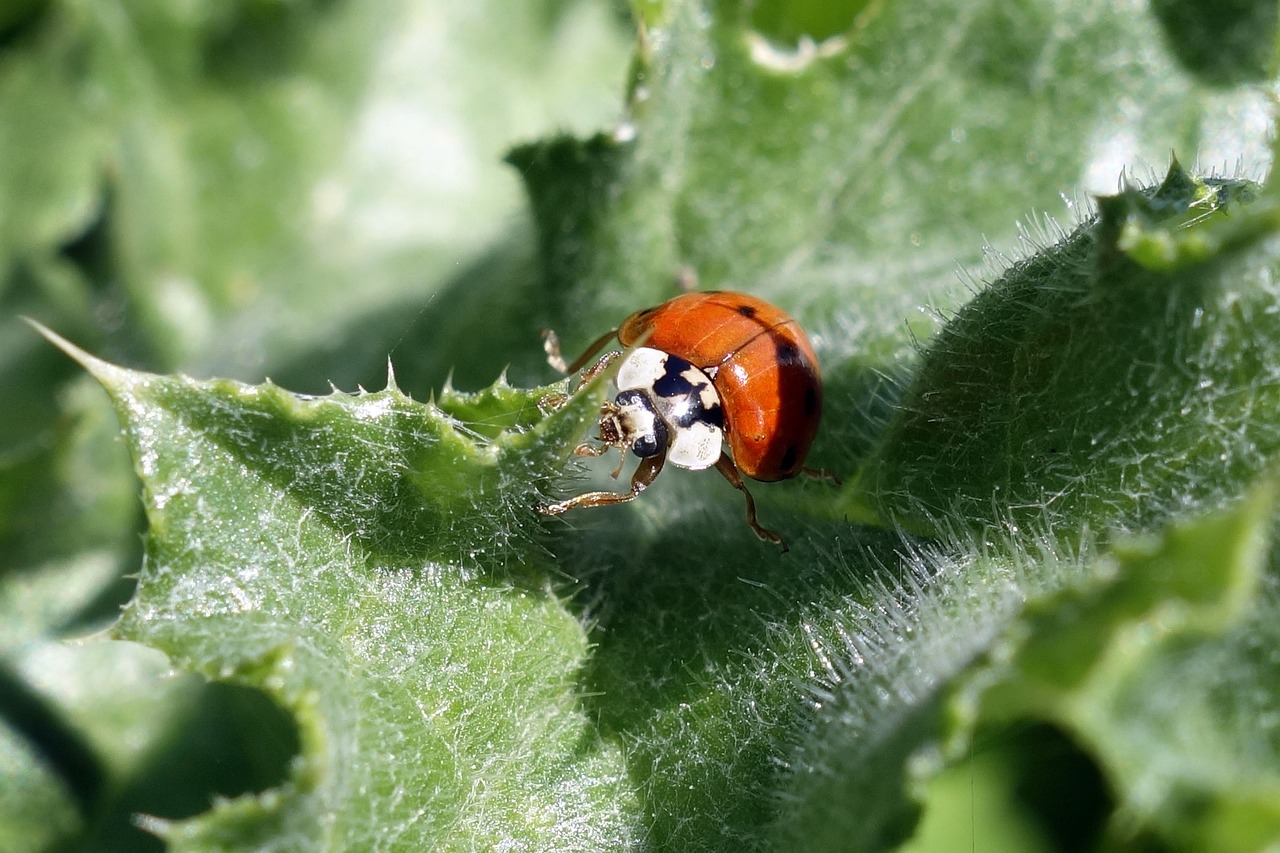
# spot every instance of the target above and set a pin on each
(629, 422)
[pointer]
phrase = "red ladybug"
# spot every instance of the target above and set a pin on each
(714, 367)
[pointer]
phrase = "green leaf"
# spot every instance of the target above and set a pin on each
(382, 594)
(38, 812)
(1227, 43)
(1148, 670)
(53, 143)
(77, 480)
(1119, 377)
(1132, 683)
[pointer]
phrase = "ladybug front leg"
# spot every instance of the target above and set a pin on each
(589, 449)
(599, 367)
(551, 346)
(640, 480)
(730, 471)
(551, 402)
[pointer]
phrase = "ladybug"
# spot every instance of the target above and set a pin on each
(710, 368)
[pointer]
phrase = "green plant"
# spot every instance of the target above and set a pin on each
(1041, 612)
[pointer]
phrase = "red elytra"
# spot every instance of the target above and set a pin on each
(764, 369)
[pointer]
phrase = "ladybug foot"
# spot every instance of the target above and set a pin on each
(730, 472)
(551, 402)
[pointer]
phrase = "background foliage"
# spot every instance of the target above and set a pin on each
(1040, 614)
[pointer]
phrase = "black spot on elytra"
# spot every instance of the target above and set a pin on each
(788, 353)
(747, 310)
(788, 460)
(810, 400)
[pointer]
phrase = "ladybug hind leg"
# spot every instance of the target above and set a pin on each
(640, 480)
(726, 467)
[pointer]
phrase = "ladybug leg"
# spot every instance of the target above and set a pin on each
(551, 402)
(622, 460)
(640, 480)
(599, 367)
(589, 449)
(730, 471)
(551, 346)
